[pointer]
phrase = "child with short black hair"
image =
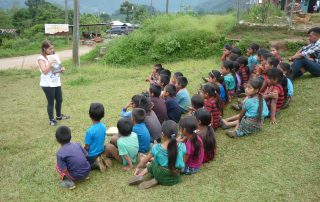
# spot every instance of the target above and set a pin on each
(159, 105)
(72, 164)
(194, 145)
(183, 96)
(197, 102)
(173, 109)
(163, 80)
(127, 147)
(206, 132)
(166, 72)
(168, 160)
(252, 56)
(230, 79)
(140, 128)
(236, 51)
(174, 77)
(275, 93)
(287, 72)
(95, 137)
(157, 68)
(212, 104)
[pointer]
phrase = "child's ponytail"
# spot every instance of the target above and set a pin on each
(218, 99)
(170, 130)
(190, 124)
(260, 97)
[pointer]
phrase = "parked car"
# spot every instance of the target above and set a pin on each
(120, 30)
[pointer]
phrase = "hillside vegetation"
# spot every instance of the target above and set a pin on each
(167, 38)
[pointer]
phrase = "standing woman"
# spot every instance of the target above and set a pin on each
(50, 80)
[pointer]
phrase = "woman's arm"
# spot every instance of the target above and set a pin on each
(44, 69)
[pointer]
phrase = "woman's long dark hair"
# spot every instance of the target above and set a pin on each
(170, 130)
(190, 124)
(209, 140)
(45, 45)
(216, 74)
(257, 84)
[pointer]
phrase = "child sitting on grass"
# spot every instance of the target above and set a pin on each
(275, 93)
(168, 160)
(206, 132)
(159, 105)
(216, 78)
(287, 72)
(244, 72)
(127, 145)
(274, 50)
(174, 78)
(252, 56)
(157, 68)
(254, 110)
(173, 109)
(197, 102)
(163, 80)
(72, 164)
(140, 128)
(229, 78)
(226, 51)
(194, 156)
(183, 96)
(271, 62)
(95, 138)
(212, 104)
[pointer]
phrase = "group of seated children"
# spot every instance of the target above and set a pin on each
(166, 133)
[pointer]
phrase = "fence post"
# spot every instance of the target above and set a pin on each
(291, 14)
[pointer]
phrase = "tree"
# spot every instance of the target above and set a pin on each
(22, 19)
(33, 6)
(88, 18)
(104, 17)
(5, 19)
(127, 9)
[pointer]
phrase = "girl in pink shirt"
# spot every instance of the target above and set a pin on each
(195, 151)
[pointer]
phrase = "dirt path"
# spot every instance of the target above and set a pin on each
(29, 61)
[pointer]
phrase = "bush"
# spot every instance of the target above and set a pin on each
(165, 38)
(262, 13)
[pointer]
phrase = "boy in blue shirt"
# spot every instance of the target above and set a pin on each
(140, 128)
(95, 138)
(72, 164)
(183, 96)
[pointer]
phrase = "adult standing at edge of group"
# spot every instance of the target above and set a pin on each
(50, 81)
(308, 57)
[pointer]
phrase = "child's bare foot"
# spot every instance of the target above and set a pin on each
(136, 180)
(148, 184)
(126, 168)
(231, 134)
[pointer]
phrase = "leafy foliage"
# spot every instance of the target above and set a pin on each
(170, 38)
(263, 13)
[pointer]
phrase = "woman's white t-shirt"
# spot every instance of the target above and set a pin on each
(49, 79)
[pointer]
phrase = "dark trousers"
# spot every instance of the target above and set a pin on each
(53, 93)
(308, 65)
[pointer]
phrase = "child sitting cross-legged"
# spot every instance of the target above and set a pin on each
(276, 92)
(140, 128)
(95, 138)
(183, 96)
(127, 147)
(174, 77)
(206, 132)
(157, 68)
(168, 160)
(230, 79)
(212, 104)
(252, 56)
(254, 110)
(216, 78)
(194, 145)
(72, 164)
(287, 72)
(159, 105)
(173, 109)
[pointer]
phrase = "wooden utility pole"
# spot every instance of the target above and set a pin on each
(66, 12)
(76, 17)
(167, 6)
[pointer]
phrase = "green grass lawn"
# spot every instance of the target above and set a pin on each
(279, 164)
